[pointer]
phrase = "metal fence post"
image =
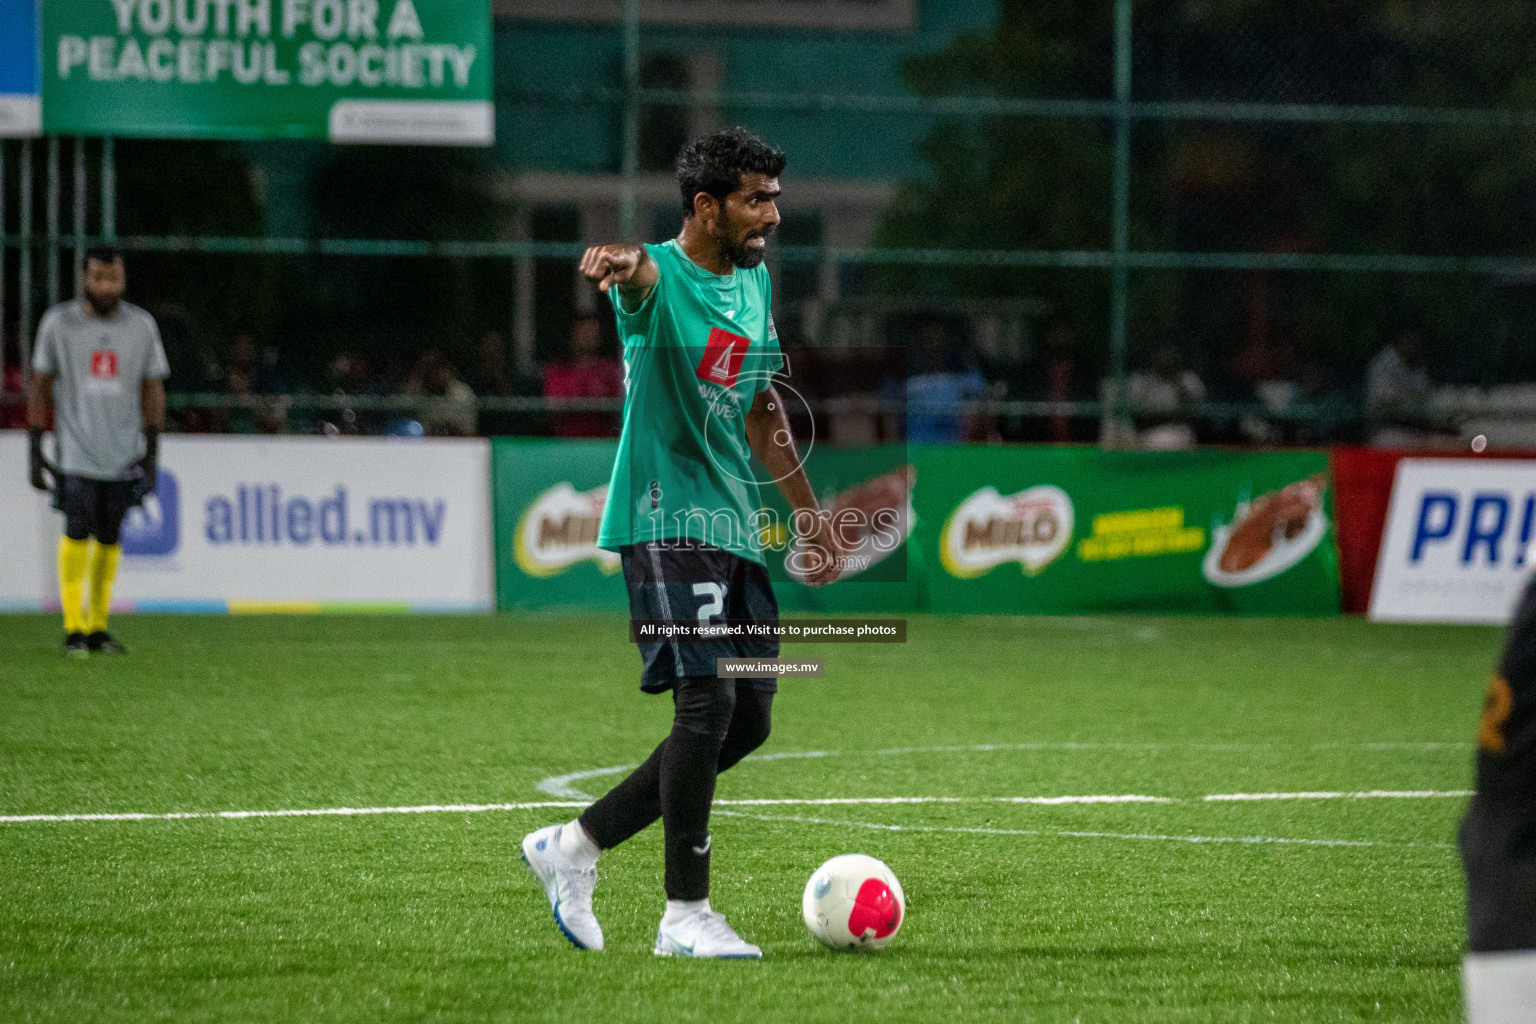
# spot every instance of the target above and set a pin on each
(79, 214)
(1115, 412)
(109, 189)
(53, 221)
(631, 156)
(24, 268)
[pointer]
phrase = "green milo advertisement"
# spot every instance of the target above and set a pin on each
(987, 529)
(1083, 530)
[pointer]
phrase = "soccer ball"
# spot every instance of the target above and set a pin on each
(854, 902)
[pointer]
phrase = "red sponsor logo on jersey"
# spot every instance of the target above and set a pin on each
(104, 364)
(722, 358)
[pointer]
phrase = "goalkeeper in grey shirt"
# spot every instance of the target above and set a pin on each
(99, 369)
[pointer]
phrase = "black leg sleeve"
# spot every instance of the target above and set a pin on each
(629, 807)
(705, 706)
(750, 724)
(635, 804)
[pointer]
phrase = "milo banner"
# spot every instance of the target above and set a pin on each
(402, 71)
(549, 498)
(1043, 529)
(974, 529)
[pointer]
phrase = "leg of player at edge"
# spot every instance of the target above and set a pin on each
(1498, 838)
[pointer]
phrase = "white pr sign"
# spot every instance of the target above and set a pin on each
(1457, 546)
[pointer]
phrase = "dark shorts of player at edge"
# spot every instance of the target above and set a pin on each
(94, 508)
(687, 580)
(1498, 834)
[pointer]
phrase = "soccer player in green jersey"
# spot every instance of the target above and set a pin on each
(99, 373)
(683, 511)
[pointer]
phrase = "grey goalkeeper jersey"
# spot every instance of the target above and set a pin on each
(97, 366)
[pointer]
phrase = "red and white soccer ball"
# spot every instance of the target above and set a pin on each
(854, 902)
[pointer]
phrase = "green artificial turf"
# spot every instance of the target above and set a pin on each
(1100, 912)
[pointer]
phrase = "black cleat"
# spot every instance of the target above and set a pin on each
(76, 646)
(101, 642)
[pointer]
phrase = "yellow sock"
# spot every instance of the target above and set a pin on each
(73, 555)
(103, 575)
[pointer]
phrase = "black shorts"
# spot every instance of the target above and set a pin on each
(686, 580)
(1498, 850)
(93, 508)
(1498, 834)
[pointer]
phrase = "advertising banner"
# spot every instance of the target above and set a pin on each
(869, 492)
(31, 538)
(1058, 529)
(1457, 547)
(395, 71)
(21, 104)
(975, 529)
(302, 525)
(549, 497)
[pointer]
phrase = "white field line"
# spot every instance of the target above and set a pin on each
(307, 812)
(1118, 798)
(1372, 794)
(561, 785)
(1127, 798)
(318, 812)
(1074, 834)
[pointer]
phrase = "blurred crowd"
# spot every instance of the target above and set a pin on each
(930, 387)
(245, 390)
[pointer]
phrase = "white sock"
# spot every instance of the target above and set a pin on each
(577, 846)
(679, 909)
(1498, 984)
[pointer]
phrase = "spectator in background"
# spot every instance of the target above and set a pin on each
(490, 376)
(1396, 378)
(1058, 366)
(13, 416)
(1263, 372)
(584, 374)
(1397, 391)
(939, 383)
(251, 373)
(1160, 399)
(351, 377)
(434, 377)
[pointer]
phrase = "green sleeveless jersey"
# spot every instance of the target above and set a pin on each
(696, 352)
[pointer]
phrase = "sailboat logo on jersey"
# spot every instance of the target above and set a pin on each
(722, 359)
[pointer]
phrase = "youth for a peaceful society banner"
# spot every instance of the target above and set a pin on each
(976, 529)
(404, 71)
(1458, 542)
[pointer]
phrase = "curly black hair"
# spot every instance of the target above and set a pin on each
(715, 164)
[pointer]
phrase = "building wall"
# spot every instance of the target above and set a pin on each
(549, 56)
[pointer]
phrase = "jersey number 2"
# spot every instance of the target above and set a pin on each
(716, 594)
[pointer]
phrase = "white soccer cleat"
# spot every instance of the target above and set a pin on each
(703, 934)
(568, 887)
